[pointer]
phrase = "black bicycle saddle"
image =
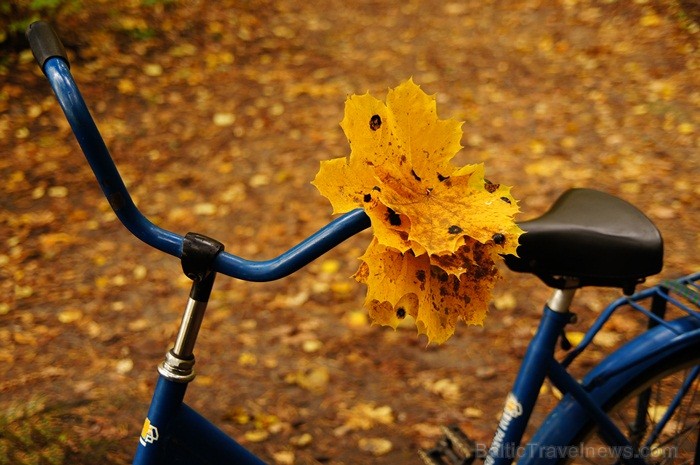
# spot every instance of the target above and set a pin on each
(589, 238)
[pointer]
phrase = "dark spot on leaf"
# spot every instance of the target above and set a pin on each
(490, 187)
(420, 275)
(499, 239)
(403, 159)
(376, 188)
(440, 274)
(367, 198)
(506, 200)
(442, 178)
(400, 313)
(481, 272)
(478, 253)
(415, 176)
(393, 217)
(375, 122)
(454, 229)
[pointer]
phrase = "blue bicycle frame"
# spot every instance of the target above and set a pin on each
(538, 364)
(174, 433)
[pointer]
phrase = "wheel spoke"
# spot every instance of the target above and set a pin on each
(661, 420)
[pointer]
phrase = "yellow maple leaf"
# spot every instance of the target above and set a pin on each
(437, 227)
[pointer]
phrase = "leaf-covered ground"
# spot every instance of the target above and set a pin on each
(218, 115)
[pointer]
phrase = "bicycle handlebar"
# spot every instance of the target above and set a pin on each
(45, 43)
(52, 58)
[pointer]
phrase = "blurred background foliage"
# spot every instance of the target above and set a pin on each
(16, 15)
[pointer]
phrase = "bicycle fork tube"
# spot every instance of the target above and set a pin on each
(177, 370)
(533, 370)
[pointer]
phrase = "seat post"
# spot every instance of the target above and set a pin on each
(561, 299)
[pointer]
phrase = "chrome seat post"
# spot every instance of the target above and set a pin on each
(561, 299)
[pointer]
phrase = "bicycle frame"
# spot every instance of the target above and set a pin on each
(174, 433)
(538, 364)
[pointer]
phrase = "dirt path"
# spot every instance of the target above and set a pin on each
(218, 116)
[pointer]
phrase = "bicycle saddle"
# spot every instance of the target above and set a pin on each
(589, 238)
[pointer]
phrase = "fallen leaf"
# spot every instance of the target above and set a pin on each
(364, 416)
(205, 209)
(139, 324)
(24, 338)
(375, 446)
(283, 457)
(314, 379)
(256, 435)
(575, 337)
(445, 388)
(153, 70)
(247, 359)
(124, 366)
(650, 19)
(224, 119)
(70, 316)
(607, 339)
(356, 319)
(312, 345)
(473, 412)
(58, 192)
(301, 441)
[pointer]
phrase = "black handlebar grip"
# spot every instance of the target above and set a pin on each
(45, 43)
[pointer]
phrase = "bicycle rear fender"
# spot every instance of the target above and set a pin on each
(651, 350)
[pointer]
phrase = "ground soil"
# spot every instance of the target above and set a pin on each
(217, 114)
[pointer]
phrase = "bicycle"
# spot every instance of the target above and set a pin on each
(587, 238)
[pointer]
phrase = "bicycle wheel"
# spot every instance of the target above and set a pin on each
(660, 416)
(650, 390)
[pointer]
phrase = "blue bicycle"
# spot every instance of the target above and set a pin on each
(637, 406)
